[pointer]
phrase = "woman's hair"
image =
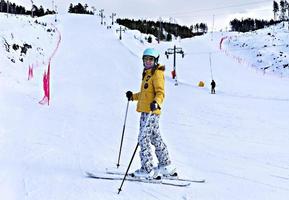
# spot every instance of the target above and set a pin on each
(154, 68)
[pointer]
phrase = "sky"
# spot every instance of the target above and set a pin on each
(216, 14)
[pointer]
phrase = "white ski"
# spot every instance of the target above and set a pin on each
(134, 179)
(163, 178)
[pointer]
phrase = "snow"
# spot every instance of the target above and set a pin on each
(265, 49)
(236, 139)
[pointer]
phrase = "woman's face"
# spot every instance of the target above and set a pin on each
(148, 62)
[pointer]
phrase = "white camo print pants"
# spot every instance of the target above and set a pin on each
(151, 135)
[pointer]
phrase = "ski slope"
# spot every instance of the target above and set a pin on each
(236, 139)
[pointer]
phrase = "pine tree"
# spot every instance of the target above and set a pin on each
(275, 9)
(80, 8)
(150, 39)
(70, 9)
(85, 7)
(282, 10)
(35, 10)
(192, 28)
(203, 27)
(40, 12)
(1, 6)
(197, 28)
(169, 37)
(287, 7)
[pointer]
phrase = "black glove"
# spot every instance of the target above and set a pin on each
(154, 105)
(129, 95)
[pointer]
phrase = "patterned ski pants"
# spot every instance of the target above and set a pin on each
(151, 134)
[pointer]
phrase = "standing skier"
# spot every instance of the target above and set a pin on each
(213, 85)
(150, 98)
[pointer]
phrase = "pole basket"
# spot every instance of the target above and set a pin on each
(173, 74)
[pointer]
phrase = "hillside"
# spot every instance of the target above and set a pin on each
(236, 139)
(266, 49)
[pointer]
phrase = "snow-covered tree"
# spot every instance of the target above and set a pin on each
(275, 9)
(282, 10)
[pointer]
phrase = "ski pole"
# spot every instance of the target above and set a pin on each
(122, 135)
(119, 189)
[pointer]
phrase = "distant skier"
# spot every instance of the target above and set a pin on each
(213, 85)
(150, 98)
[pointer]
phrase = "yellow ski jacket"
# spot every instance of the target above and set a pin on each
(152, 89)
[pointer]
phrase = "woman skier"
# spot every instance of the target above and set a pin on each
(150, 99)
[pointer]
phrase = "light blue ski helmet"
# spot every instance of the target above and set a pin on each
(153, 53)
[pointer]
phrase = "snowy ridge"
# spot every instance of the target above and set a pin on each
(23, 32)
(266, 49)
